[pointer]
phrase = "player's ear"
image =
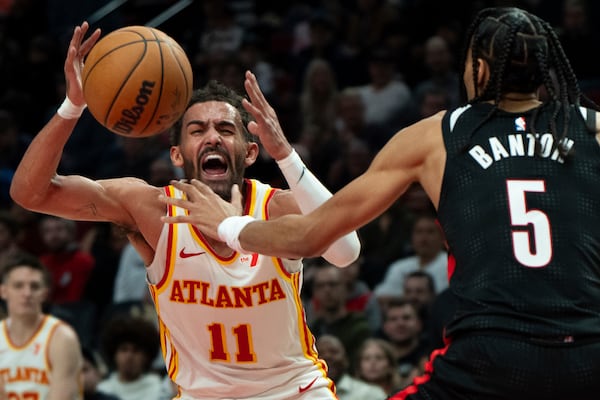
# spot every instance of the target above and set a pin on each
(251, 153)
(483, 72)
(176, 157)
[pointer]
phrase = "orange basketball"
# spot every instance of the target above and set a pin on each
(137, 81)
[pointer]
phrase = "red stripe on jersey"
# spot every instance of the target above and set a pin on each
(420, 380)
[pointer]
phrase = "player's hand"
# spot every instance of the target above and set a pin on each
(206, 209)
(78, 49)
(266, 124)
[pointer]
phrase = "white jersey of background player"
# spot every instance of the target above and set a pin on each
(40, 356)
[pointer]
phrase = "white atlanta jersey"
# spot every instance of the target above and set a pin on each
(25, 369)
(234, 327)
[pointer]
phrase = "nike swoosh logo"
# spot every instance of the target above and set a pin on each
(183, 254)
(305, 388)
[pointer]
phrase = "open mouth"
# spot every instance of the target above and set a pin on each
(214, 165)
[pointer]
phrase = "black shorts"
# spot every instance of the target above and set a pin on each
(499, 367)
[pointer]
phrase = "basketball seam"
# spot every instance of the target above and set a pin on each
(162, 82)
(124, 82)
(187, 89)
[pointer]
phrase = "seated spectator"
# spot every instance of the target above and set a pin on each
(333, 317)
(428, 244)
(130, 345)
(69, 266)
(91, 376)
(419, 289)
(403, 329)
(332, 350)
(9, 233)
(376, 364)
(360, 298)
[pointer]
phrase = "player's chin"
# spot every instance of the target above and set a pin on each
(220, 187)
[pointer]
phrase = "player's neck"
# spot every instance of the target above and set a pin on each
(519, 102)
(21, 328)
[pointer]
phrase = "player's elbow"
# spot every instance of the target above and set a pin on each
(25, 195)
(343, 252)
(19, 194)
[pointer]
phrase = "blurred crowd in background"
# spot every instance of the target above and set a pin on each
(343, 77)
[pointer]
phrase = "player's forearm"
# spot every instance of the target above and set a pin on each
(310, 193)
(37, 168)
(284, 237)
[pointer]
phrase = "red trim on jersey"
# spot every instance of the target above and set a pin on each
(249, 200)
(169, 190)
(451, 265)
(420, 380)
(209, 248)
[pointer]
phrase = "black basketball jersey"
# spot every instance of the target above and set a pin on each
(522, 223)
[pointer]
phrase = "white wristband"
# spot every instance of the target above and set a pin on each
(229, 231)
(68, 110)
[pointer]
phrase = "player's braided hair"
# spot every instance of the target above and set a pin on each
(213, 91)
(524, 54)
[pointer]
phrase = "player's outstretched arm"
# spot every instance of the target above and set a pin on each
(36, 185)
(307, 190)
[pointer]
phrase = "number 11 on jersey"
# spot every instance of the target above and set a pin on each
(243, 337)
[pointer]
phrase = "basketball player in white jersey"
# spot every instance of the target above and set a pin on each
(40, 356)
(232, 325)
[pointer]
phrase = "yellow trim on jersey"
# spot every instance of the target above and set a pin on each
(251, 201)
(37, 331)
(171, 250)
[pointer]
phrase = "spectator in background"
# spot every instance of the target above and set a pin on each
(13, 143)
(359, 296)
(252, 57)
(428, 244)
(354, 159)
(91, 377)
(319, 95)
(577, 35)
(130, 345)
(403, 328)
(69, 266)
(386, 98)
(419, 289)
(442, 72)
(333, 316)
(385, 239)
(376, 364)
(221, 37)
(367, 23)
(332, 350)
(9, 233)
(130, 281)
(323, 43)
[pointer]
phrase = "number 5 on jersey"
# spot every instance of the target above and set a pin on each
(520, 218)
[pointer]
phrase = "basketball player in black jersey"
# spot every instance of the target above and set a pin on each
(515, 178)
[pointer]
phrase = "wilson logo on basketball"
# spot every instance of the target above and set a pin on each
(130, 116)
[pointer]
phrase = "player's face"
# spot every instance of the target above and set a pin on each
(24, 291)
(213, 149)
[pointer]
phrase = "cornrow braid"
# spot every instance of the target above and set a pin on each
(524, 53)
